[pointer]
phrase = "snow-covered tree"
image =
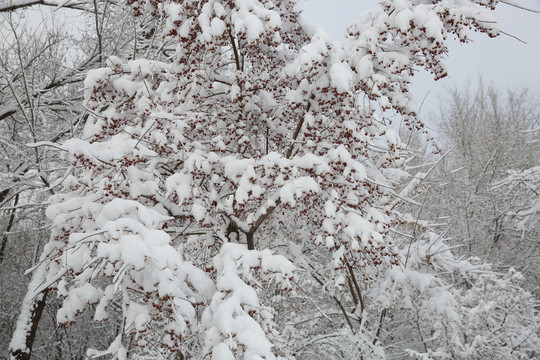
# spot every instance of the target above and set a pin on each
(522, 218)
(486, 180)
(252, 164)
(495, 319)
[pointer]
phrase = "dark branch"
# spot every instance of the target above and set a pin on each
(14, 5)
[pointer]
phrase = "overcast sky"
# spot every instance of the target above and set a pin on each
(503, 61)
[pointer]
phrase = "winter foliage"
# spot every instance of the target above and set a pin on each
(246, 196)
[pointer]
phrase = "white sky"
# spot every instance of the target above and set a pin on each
(503, 61)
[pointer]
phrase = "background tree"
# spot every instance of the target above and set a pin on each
(489, 134)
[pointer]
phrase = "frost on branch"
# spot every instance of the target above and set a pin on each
(188, 167)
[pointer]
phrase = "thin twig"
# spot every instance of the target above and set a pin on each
(313, 302)
(519, 6)
(513, 36)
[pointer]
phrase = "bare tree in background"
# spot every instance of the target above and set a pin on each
(488, 132)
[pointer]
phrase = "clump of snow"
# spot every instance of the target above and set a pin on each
(341, 77)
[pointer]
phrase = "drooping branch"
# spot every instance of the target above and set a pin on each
(70, 78)
(7, 111)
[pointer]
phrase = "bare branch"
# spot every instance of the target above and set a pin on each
(511, 3)
(19, 4)
(513, 36)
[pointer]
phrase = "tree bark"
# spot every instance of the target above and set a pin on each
(249, 239)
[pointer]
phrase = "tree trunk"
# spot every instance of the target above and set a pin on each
(32, 307)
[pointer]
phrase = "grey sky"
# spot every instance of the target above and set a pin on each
(503, 61)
